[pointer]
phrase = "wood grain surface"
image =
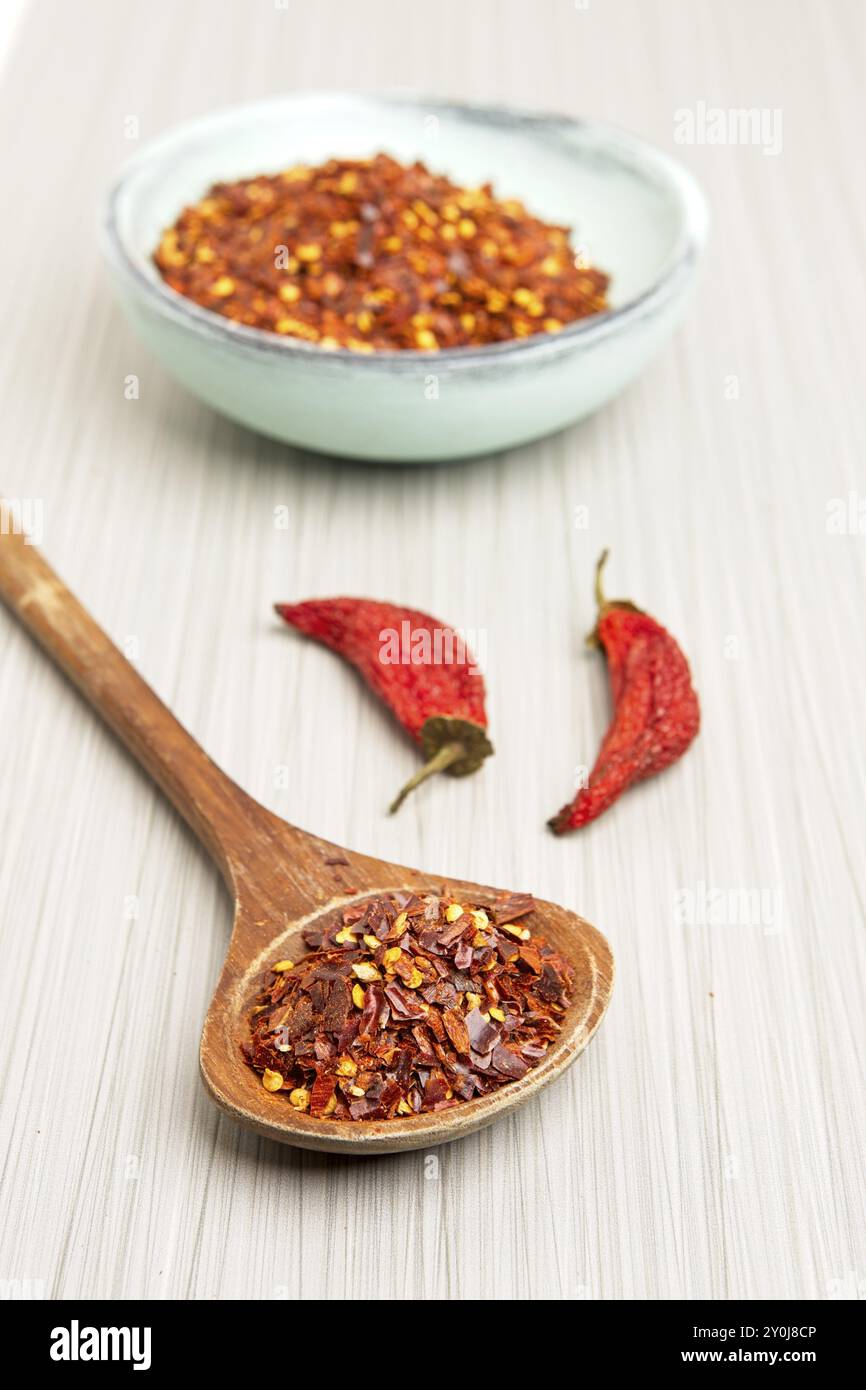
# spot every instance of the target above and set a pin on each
(710, 1142)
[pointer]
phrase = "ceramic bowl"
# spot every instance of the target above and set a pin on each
(637, 214)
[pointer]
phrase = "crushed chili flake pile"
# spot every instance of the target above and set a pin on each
(409, 1004)
(373, 255)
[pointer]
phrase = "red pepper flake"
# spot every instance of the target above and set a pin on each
(455, 1027)
(373, 255)
(323, 1089)
(656, 709)
(476, 1026)
(513, 907)
(421, 668)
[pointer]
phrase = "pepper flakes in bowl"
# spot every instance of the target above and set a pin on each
(408, 1005)
(636, 211)
(372, 255)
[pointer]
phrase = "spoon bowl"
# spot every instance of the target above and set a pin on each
(255, 945)
(282, 880)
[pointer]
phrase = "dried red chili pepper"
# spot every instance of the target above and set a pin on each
(656, 710)
(421, 669)
(408, 1004)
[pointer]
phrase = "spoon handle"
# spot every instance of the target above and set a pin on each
(216, 809)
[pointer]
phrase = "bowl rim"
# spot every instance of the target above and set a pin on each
(615, 141)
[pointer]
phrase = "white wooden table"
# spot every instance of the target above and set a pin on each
(710, 1142)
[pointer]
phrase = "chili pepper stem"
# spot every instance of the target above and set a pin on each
(601, 601)
(600, 598)
(449, 753)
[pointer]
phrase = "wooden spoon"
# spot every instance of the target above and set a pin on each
(281, 880)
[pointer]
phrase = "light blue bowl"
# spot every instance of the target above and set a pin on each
(638, 215)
